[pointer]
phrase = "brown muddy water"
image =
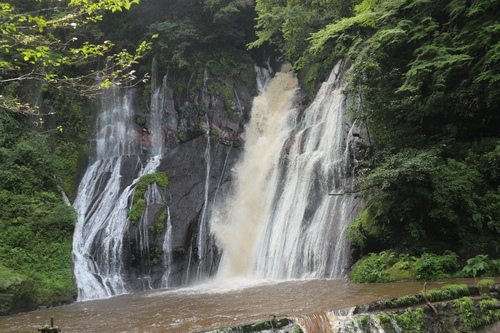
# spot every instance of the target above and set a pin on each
(210, 306)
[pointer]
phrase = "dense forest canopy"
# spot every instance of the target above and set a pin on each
(425, 79)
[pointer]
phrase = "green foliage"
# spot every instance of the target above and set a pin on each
(465, 308)
(448, 292)
(214, 134)
(287, 25)
(401, 271)
(311, 79)
(361, 321)
(36, 236)
(197, 31)
(477, 265)
(261, 325)
(486, 282)
(155, 255)
(431, 266)
(160, 220)
(140, 120)
(408, 321)
(36, 226)
(8, 278)
(411, 320)
(160, 178)
(182, 136)
(372, 268)
(138, 202)
(405, 301)
(137, 209)
(41, 41)
(385, 320)
(420, 78)
(490, 312)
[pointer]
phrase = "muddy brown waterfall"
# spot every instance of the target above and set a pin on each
(281, 221)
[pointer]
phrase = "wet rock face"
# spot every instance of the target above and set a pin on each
(219, 106)
(202, 128)
(187, 168)
(188, 197)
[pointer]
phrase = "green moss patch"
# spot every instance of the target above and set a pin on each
(139, 204)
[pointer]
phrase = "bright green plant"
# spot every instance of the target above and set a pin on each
(182, 136)
(361, 321)
(448, 292)
(39, 39)
(411, 320)
(489, 310)
(261, 325)
(138, 203)
(372, 268)
(385, 319)
(214, 134)
(431, 266)
(476, 266)
(405, 301)
(155, 255)
(465, 308)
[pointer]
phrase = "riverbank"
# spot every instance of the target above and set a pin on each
(217, 304)
(453, 309)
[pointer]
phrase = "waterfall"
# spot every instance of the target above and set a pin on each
(281, 222)
(202, 230)
(237, 223)
(345, 321)
(167, 255)
(103, 200)
(263, 77)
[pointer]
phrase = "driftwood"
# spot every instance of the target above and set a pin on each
(427, 300)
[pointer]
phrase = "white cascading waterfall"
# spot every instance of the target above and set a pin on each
(281, 221)
(103, 197)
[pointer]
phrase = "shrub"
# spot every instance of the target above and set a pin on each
(489, 310)
(480, 265)
(465, 308)
(476, 266)
(405, 301)
(448, 292)
(373, 268)
(436, 267)
(411, 321)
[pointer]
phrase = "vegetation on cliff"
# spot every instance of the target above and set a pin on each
(425, 76)
(47, 67)
(36, 225)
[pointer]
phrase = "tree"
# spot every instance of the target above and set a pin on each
(426, 75)
(288, 24)
(41, 41)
